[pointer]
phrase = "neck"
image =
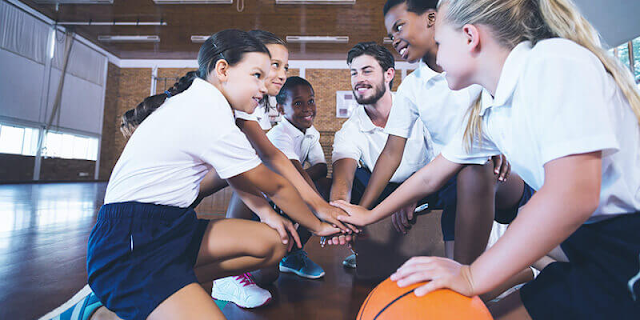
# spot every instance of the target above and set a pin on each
(430, 60)
(304, 130)
(490, 69)
(379, 111)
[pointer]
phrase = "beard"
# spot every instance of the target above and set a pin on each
(379, 91)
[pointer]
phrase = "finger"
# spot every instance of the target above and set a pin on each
(353, 228)
(294, 234)
(410, 270)
(283, 234)
(410, 214)
(497, 164)
(508, 171)
(416, 261)
(350, 219)
(334, 241)
(395, 223)
(346, 206)
(430, 287)
(403, 219)
(417, 277)
(338, 224)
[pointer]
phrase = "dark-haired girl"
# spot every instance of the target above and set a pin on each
(148, 251)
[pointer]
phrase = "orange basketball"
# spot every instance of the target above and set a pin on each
(390, 302)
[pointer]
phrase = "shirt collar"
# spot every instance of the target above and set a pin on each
(509, 76)
(365, 123)
(311, 131)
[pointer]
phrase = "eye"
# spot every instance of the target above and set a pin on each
(353, 74)
(286, 68)
(258, 75)
(297, 103)
(367, 71)
(400, 27)
(276, 65)
(312, 101)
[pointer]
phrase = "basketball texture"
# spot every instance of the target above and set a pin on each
(387, 301)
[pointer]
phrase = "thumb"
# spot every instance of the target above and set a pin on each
(342, 205)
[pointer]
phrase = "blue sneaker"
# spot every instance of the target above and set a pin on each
(297, 262)
(83, 309)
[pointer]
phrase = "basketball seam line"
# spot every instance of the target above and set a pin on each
(392, 302)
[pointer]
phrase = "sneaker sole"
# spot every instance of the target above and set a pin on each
(227, 298)
(300, 274)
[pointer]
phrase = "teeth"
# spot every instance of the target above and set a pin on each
(402, 52)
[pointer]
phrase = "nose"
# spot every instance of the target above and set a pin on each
(263, 88)
(282, 74)
(396, 42)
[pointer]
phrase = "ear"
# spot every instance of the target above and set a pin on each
(389, 74)
(221, 70)
(431, 18)
(472, 37)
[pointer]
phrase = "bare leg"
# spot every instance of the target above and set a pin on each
(220, 255)
(479, 195)
(103, 313)
(509, 308)
(474, 211)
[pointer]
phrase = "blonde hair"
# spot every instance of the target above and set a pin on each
(515, 21)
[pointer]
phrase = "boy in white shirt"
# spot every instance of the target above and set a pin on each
(296, 137)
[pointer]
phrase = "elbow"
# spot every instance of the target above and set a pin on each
(278, 183)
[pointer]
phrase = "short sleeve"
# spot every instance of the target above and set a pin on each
(231, 154)
(344, 147)
(246, 116)
(316, 154)
(402, 117)
(572, 118)
(479, 153)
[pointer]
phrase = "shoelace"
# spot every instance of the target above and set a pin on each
(245, 279)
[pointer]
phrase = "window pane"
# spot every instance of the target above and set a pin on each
(67, 146)
(92, 152)
(30, 143)
(53, 144)
(80, 146)
(623, 54)
(11, 139)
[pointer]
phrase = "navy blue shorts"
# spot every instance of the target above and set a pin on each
(598, 282)
(139, 254)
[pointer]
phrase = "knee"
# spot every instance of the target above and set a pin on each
(272, 248)
(476, 179)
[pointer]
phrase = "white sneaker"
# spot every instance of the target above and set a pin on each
(241, 290)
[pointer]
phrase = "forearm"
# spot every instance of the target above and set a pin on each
(288, 199)
(386, 165)
(256, 202)
(343, 175)
(317, 171)
(426, 181)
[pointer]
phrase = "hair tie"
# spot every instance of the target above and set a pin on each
(168, 93)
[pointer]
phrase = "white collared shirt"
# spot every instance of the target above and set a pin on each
(555, 100)
(361, 140)
(296, 145)
(425, 95)
(173, 149)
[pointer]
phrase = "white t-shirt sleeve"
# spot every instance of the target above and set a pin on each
(479, 153)
(402, 117)
(344, 147)
(316, 154)
(572, 118)
(231, 154)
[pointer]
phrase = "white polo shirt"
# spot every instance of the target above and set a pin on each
(304, 147)
(425, 95)
(173, 149)
(553, 101)
(259, 115)
(361, 140)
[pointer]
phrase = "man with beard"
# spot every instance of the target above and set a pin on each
(360, 141)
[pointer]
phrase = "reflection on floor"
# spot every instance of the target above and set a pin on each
(43, 237)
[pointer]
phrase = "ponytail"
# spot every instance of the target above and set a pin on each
(134, 117)
(515, 21)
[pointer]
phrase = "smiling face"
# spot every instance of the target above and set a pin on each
(300, 107)
(412, 33)
(368, 81)
(279, 68)
(243, 84)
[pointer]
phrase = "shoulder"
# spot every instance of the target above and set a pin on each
(559, 56)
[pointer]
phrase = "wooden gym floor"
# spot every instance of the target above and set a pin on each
(43, 242)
